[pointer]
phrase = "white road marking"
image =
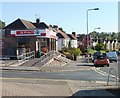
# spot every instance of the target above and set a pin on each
(103, 73)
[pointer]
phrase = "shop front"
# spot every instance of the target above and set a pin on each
(41, 41)
(47, 41)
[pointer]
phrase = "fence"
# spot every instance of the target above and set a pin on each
(25, 57)
(18, 60)
(5, 60)
(46, 58)
(31, 55)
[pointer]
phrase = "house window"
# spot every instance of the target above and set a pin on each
(63, 42)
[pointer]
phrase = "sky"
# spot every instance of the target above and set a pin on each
(71, 16)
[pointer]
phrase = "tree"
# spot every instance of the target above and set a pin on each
(75, 52)
(2, 24)
(100, 41)
(108, 37)
(99, 47)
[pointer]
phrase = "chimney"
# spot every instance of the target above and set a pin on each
(55, 26)
(74, 34)
(38, 21)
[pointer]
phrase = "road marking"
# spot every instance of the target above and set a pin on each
(99, 71)
(103, 73)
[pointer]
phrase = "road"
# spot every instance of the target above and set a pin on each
(88, 74)
(115, 66)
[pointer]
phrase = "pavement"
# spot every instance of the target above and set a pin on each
(52, 87)
(52, 66)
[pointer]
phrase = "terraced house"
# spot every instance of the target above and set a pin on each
(64, 39)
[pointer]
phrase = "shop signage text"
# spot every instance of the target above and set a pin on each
(26, 32)
(38, 32)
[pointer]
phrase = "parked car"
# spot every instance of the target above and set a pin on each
(94, 56)
(112, 56)
(101, 60)
(118, 53)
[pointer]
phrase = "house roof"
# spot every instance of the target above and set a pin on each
(27, 24)
(41, 25)
(61, 34)
(71, 36)
(20, 24)
(80, 37)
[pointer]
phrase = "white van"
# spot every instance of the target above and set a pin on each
(112, 56)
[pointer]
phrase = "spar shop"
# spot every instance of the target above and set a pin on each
(22, 36)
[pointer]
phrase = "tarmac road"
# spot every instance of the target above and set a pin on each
(85, 75)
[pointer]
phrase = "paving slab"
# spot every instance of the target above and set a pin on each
(46, 88)
(52, 87)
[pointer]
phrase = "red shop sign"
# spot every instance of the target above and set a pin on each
(24, 32)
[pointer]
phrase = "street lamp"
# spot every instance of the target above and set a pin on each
(94, 36)
(95, 29)
(87, 29)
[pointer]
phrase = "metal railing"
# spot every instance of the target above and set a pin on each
(58, 53)
(46, 58)
(50, 55)
(7, 59)
(25, 57)
(20, 59)
(109, 75)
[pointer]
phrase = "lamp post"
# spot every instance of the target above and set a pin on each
(97, 28)
(94, 36)
(87, 30)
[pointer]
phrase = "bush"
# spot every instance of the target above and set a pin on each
(66, 53)
(91, 51)
(99, 47)
(64, 49)
(71, 52)
(75, 51)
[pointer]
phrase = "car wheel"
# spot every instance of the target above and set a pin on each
(108, 65)
(95, 65)
(110, 61)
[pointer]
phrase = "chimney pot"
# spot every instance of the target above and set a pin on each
(37, 20)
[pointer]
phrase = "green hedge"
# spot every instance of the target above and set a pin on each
(72, 51)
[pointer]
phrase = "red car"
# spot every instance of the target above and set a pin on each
(101, 61)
